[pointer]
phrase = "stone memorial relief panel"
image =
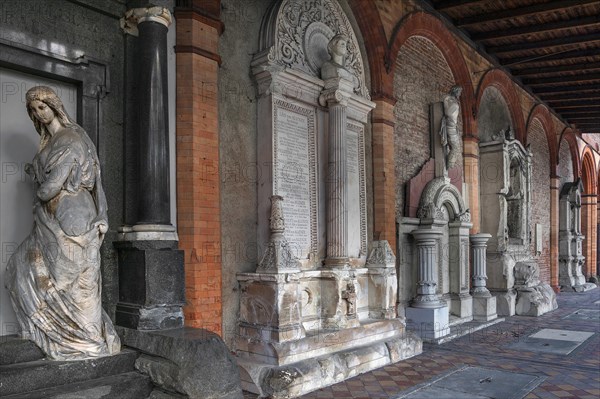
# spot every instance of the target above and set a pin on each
(295, 174)
(357, 238)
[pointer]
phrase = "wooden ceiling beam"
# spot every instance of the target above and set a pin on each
(580, 111)
(512, 61)
(521, 12)
(583, 117)
(584, 77)
(588, 105)
(578, 95)
(532, 29)
(566, 89)
(446, 5)
(574, 100)
(556, 69)
(545, 44)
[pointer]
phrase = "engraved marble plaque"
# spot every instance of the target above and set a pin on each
(294, 177)
(356, 192)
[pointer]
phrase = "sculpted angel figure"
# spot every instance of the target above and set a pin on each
(449, 131)
(54, 276)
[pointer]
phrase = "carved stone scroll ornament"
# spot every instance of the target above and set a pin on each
(298, 32)
(438, 193)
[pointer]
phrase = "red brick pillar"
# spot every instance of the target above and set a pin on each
(554, 228)
(198, 206)
(384, 172)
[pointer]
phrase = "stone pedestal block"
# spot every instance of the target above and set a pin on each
(505, 302)
(429, 323)
(151, 285)
(269, 307)
(461, 305)
(484, 308)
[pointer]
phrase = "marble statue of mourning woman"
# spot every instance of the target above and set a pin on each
(54, 276)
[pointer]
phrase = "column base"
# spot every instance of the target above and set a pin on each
(151, 285)
(148, 232)
(429, 323)
(484, 308)
(149, 318)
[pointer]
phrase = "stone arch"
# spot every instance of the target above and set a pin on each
(438, 193)
(370, 25)
(568, 134)
(499, 80)
(423, 24)
(541, 113)
(589, 218)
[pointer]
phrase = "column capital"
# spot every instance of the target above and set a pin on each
(337, 91)
(135, 16)
(480, 239)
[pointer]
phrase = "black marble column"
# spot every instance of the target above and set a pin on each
(154, 204)
(151, 267)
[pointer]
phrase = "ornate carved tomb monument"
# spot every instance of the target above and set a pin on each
(434, 238)
(318, 309)
(570, 238)
(506, 197)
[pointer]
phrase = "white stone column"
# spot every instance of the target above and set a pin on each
(427, 262)
(479, 245)
(484, 304)
(336, 95)
(427, 315)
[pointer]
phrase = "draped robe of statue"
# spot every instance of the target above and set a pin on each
(54, 276)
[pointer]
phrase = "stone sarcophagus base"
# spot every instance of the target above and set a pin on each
(301, 331)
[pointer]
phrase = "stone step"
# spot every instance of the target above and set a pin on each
(16, 350)
(123, 386)
(40, 374)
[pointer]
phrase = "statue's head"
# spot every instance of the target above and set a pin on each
(338, 45)
(45, 95)
(456, 91)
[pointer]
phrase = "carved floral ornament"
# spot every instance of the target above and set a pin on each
(437, 193)
(295, 33)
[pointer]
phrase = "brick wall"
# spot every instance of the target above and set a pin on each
(565, 165)
(422, 77)
(540, 194)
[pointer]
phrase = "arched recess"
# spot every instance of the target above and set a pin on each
(493, 115)
(498, 79)
(369, 22)
(568, 134)
(589, 218)
(423, 24)
(541, 113)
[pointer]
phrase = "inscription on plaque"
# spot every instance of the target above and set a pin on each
(293, 177)
(354, 211)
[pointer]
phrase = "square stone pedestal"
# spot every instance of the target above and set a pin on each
(484, 308)
(429, 323)
(506, 302)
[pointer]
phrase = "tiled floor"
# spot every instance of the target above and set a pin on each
(576, 375)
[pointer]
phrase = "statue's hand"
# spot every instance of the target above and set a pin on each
(101, 225)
